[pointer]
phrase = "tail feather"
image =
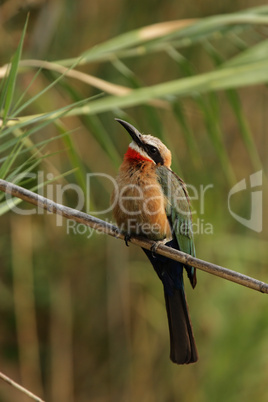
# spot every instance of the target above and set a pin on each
(182, 343)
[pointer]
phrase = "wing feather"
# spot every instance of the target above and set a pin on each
(178, 210)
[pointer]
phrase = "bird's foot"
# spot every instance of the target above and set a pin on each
(154, 248)
(127, 238)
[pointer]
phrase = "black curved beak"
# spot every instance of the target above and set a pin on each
(135, 134)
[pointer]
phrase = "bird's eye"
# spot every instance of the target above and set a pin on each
(153, 150)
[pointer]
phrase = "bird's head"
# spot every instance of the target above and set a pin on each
(146, 147)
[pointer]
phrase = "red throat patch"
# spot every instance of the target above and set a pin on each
(135, 155)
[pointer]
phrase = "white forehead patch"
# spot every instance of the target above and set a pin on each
(149, 139)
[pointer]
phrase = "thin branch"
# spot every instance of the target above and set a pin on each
(107, 228)
(20, 388)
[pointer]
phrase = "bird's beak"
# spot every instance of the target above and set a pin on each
(135, 134)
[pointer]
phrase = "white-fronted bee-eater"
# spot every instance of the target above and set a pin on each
(150, 200)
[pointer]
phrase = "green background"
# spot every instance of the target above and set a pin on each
(82, 316)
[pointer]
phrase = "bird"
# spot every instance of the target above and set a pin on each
(152, 201)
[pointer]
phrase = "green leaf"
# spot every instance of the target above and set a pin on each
(8, 92)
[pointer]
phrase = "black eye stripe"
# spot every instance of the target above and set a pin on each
(153, 149)
(154, 153)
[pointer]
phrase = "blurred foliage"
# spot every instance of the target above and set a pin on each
(82, 316)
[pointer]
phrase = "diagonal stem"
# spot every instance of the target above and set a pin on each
(20, 388)
(107, 228)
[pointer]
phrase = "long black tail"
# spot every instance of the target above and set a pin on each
(182, 343)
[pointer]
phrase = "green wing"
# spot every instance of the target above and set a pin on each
(178, 211)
